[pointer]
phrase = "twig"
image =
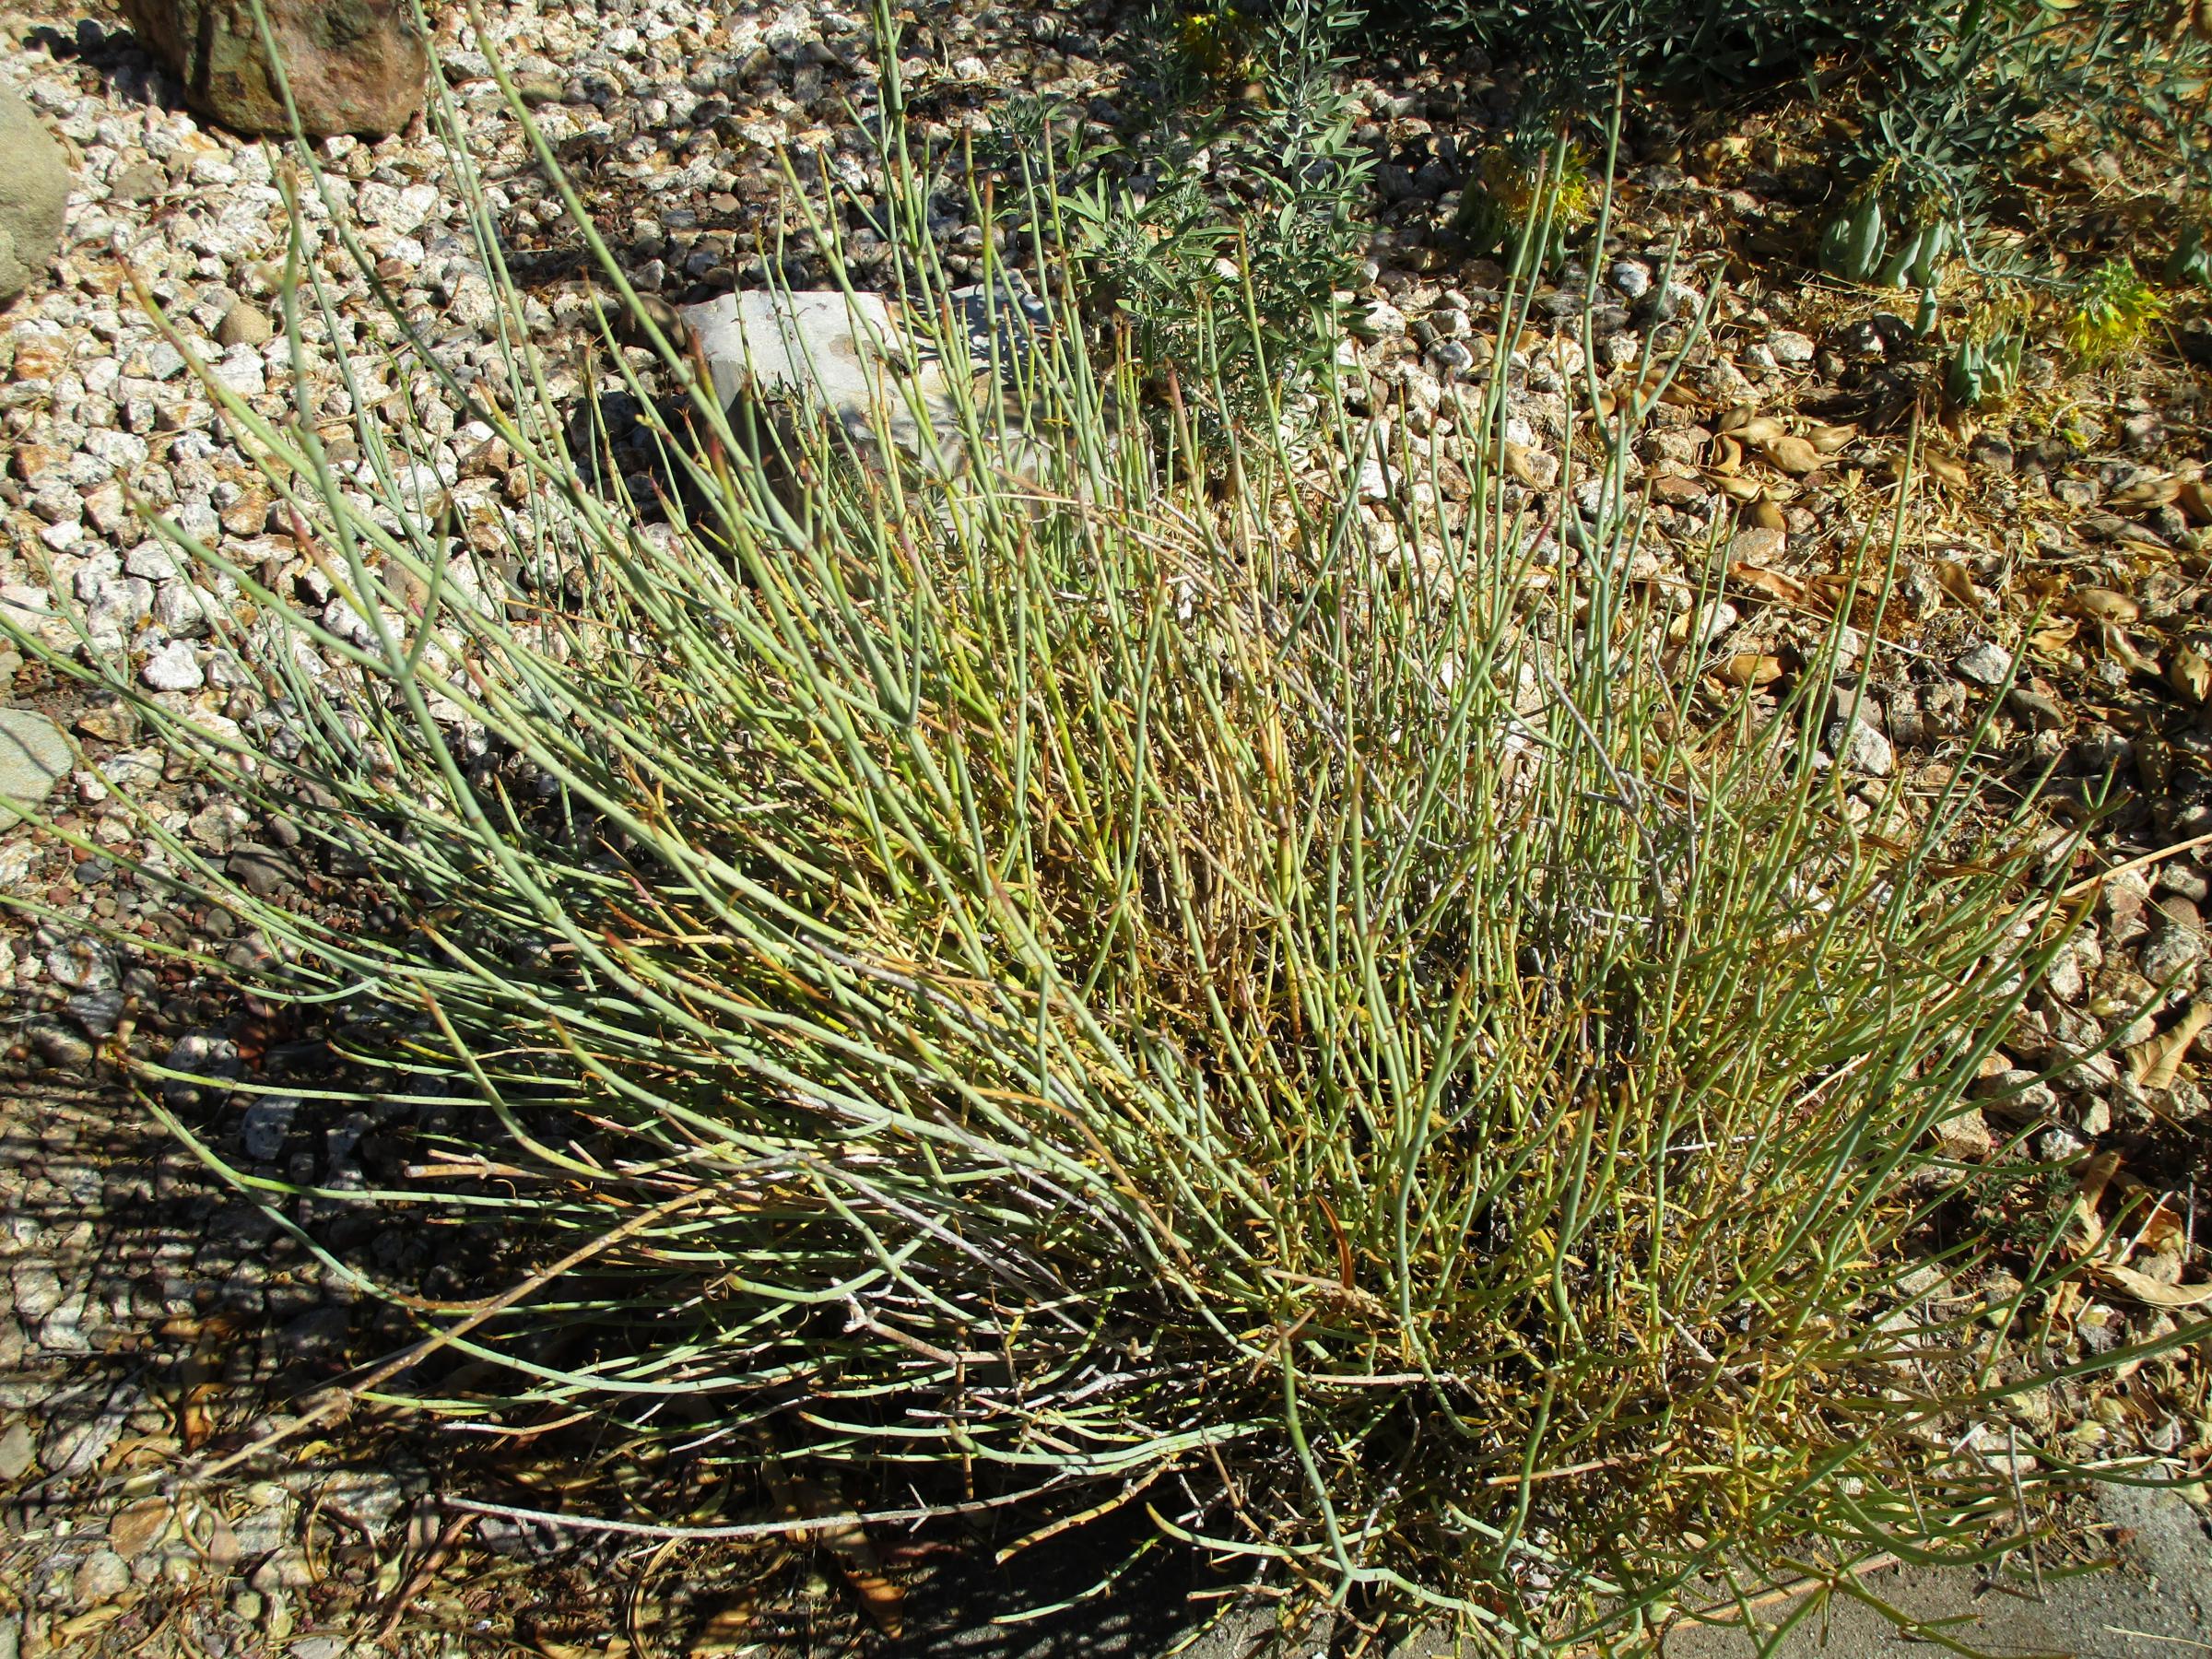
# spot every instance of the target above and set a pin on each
(743, 1529)
(2163, 853)
(1081, 1518)
(1584, 1468)
(2154, 1636)
(1734, 1610)
(439, 1551)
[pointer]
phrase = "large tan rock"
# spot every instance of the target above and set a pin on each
(353, 65)
(34, 190)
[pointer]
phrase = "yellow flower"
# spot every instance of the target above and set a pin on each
(1511, 177)
(1214, 43)
(2115, 306)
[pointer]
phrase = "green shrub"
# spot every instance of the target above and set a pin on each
(1073, 989)
(1950, 108)
(1576, 49)
(1214, 40)
(1216, 215)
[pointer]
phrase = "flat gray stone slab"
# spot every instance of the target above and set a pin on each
(846, 352)
(854, 357)
(2156, 1603)
(34, 757)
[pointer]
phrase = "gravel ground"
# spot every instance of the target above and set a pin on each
(154, 1319)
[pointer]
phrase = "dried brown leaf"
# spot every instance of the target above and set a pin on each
(133, 1531)
(2148, 1290)
(2106, 605)
(2155, 1061)
(1956, 580)
(83, 1624)
(2160, 1232)
(1772, 584)
(1793, 455)
(1750, 668)
(2145, 494)
(1944, 470)
(2053, 637)
(2188, 669)
(2097, 1173)
(2120, 645)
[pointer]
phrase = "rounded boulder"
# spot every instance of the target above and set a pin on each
(352, 66)
(34, 191)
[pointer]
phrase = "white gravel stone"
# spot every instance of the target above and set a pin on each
(1861, 749)
(1791, 349)
(402, 211)
(185, 610)
(103, 1576)
(173, 668)
(241, 370)
(1380, 320)
(1985, 666)
(153, 561)
(34, 756)
(1376, 482)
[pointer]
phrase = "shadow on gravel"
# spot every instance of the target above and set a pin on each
(1146, 1612)
(160, 1322)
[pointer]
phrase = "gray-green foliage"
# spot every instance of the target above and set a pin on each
(1221, 210)
(1576, 50)
(1973, 96)
(1072, 988)
(2190, 263)
(1984, 372)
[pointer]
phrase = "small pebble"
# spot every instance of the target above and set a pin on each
(245, 325)
(173, 668)
(1985, 666)
(103, 1576)
(1862, 748)
(18, 1452)
(1791, 349)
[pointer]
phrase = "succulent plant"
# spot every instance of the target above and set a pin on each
(1852, 245)
(2190, 263)
(1983, 373)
